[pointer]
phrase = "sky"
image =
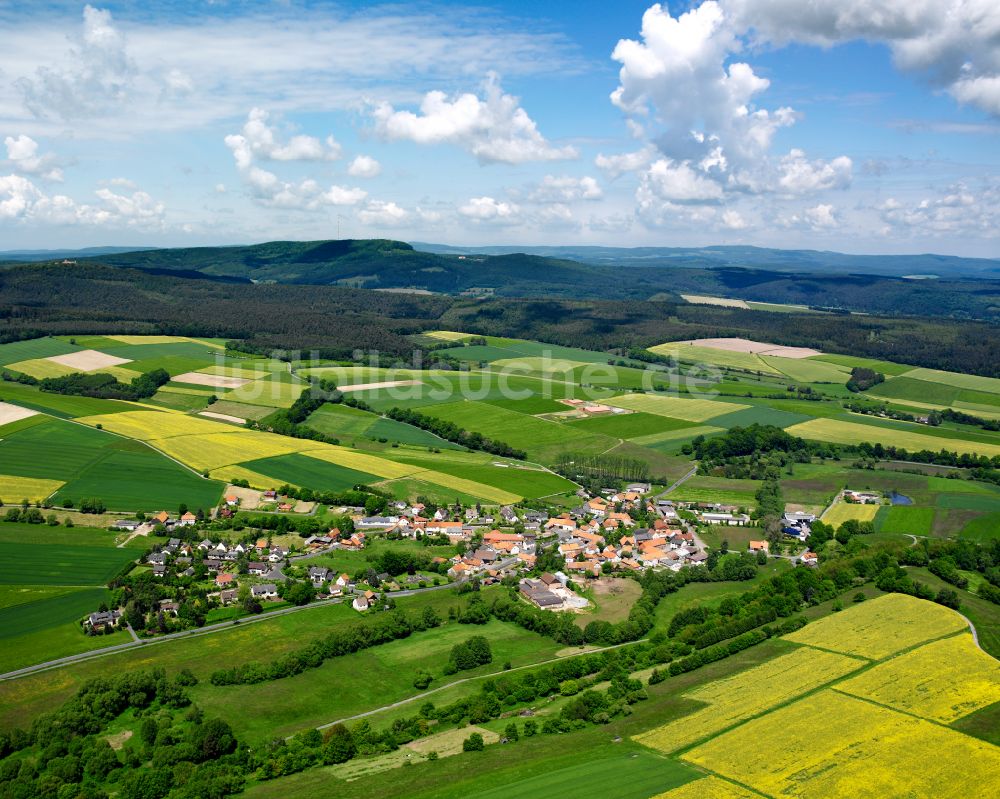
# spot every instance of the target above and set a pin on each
(849, 125)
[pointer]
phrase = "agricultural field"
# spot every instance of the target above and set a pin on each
(909, 519)
(716, 490)
(942, 681)
(747, 694)
(691, 410)
(631, 425)
(861, 632)
(836, 431)
(830, 744)
(840, 512)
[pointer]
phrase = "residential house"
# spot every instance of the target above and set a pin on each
(319, 575)
(225, 579)
(268, 591)
(187, 520)
(760, 546)
(102, 619)
(257, 568)
(363, 602)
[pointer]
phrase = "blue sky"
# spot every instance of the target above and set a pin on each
(857, 125)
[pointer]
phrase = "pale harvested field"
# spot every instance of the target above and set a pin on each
(88, 360)
(213, 381)
(690, 410)
(725, 302)
(447, 335)
(386, 384)
(755, 347)
(249, 497)
(223, 417)
(13, 413)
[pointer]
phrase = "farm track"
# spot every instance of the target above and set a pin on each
(452, 684)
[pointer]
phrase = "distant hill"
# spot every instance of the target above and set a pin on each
(27, 256)
(383, 264)
(749, 257)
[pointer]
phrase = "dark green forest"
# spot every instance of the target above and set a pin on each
(336, 321)
(385, 264)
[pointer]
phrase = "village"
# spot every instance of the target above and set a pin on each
(196, 577)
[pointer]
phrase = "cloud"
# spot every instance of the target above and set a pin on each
(798, 175)
(22, 201)
(99, 76)
(951, 43)
(733, 220)
(678, 70)
(678, 183)
(621, 163)
(23, 157)
(259, 140)
(958, 209)
(364, 166)
(565, 188)
(486, 209)
(494, 127)
(384, 214)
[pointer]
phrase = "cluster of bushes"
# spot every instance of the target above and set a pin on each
(375, 630)
(105, 386)
(863, 379)
(176, 750)
(719, 651)
(943, 457)
(469, 654)
(450, 431)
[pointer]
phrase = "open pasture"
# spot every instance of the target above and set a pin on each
(837, 431)
(830, 744)
(274, 391)
(747, 694)
(527, 482)
(690, 410)
(759, 414)
(941, 681)
(862, 630)
(702, 488)
(888, 368)
(989, 385)
(631, 425)
(691, 353)
(41, 368)
(907, 389)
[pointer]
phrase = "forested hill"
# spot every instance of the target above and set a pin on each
(392, 265)
(91, 298)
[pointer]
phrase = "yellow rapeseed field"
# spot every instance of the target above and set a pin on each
(942, 681)
(832, 745)
(482, 490)
(840, 512)
(690, 410)
(162, 340)
(255, 479)
(708, 788)
(360, 461)
(447, 335)
(880, 627)
(207, 452)
(748, 694)
(147, 425)
(13, 488)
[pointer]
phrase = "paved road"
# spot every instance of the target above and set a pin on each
(208, 629)
(665, 491)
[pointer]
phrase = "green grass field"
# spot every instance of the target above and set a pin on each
(806, 370)
(907, 388)
(353, 683)
(983, 528)
(126, 474)
(44, 613)
(542, 439)
(759, 414)
(990, 385)
(838, 431)
(630, 425)
(888, 368)
(905, 519)
(63, 405)
(695, 353)
(305, 471)
(34, 348)
(52, 564)
(716, 489)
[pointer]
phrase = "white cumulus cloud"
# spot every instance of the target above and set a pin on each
(494, 127)
(487, 209)
(23, 157)
(565, 188)
(364, 166)
(381, 213)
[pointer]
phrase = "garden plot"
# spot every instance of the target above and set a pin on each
(88, 360)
